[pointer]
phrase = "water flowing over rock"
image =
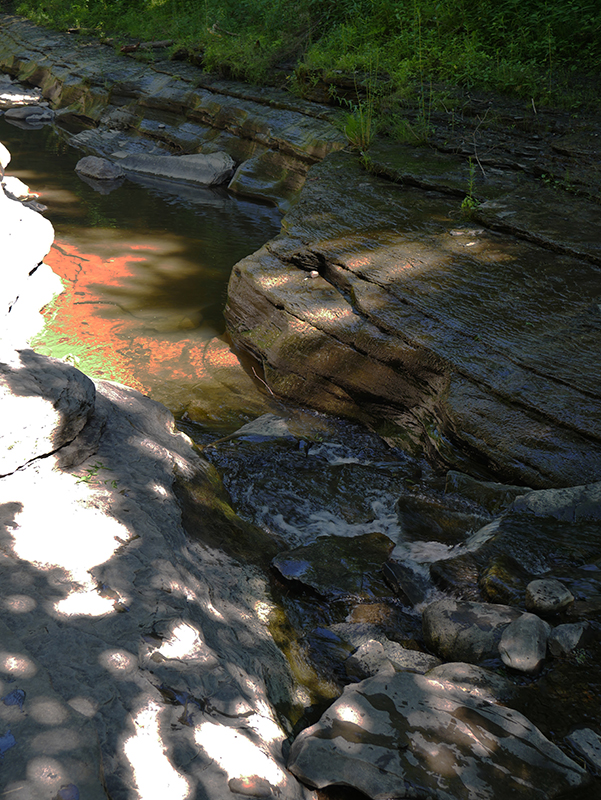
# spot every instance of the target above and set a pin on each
(405, 735)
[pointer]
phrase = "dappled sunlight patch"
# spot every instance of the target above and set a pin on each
(19, 603)
(63, 545)
(185, 642)
(347, 713)
(46, 774)
(47, 711)
(237, 756)
(155, 777)
(85, 603)
(17, 665)
(119, 662)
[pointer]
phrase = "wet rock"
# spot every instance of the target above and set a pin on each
(404, 734)
(432, 518)
(465, 631)
(30, 114)
(407, 582)
(547, 596)
(337, 566)
(205, 170)
(523, 645)
(45, 404)
(565, 638)
(458, 576)
(374, 656)
(587, 743)
(100, 169)
(494, 497)
(333, 342)
(504, 580)
(573, 504)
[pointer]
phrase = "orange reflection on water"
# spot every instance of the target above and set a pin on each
(97, 327)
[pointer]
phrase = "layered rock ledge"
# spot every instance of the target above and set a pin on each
(475, 340)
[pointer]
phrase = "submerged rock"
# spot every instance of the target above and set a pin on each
(405, 735)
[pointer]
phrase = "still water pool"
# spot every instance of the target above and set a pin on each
(145, 269)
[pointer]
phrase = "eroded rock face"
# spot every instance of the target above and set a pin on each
(405, 735)
(395, 328)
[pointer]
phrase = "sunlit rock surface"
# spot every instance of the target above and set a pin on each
(157, 638)
(405, 735)
(25, 239)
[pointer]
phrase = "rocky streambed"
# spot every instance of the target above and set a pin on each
(301, 604)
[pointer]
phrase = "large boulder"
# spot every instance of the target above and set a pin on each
(406, 735)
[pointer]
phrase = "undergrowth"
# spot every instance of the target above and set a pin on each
(530, 48)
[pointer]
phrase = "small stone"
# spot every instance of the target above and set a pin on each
(523, 645)
(314, 274)
(587, 744)
(566, 638)
(547, 596)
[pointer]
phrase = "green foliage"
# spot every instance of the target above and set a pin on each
(523, 46)
(470, 203)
